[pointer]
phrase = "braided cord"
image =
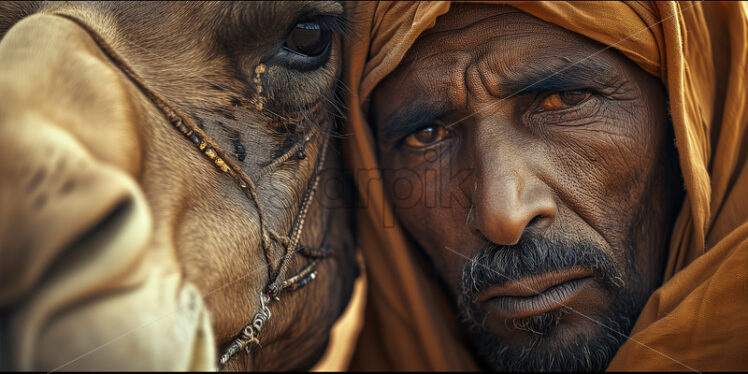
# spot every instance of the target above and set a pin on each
(211, 150)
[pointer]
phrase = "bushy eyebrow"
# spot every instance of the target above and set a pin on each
(407, 119)
(554, 74)
(547, 75)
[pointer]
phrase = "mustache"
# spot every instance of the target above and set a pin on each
(496, 264)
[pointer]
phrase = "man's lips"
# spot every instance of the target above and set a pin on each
(536, 294)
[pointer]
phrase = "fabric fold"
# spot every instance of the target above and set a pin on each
(698, 50)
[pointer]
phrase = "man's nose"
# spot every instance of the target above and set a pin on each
(508, 198)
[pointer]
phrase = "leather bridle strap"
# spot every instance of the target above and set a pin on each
(277, 281)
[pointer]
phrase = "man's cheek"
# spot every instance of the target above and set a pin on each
(458, 189)
(404, 186)
(599, 177)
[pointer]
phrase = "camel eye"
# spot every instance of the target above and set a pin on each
(308, 39)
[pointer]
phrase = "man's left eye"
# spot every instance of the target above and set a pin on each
(563, 100)
(308, 39)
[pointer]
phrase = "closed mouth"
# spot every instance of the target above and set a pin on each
(536, 294)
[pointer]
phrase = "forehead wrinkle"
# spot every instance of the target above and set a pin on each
(495, 57)
(547, 54)
(438, 73)
(461, 75)
(435, 43)
(458, 17)
(439, 32)
(494, 54)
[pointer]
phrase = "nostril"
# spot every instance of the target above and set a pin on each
(540, 222)
(535, 220)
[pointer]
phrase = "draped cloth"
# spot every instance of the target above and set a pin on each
(696, 319)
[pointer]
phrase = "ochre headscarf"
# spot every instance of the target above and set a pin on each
(698, 317)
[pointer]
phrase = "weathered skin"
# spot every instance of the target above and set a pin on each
(496, 139)
(110, 218)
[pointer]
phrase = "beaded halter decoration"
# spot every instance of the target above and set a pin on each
(277, 281)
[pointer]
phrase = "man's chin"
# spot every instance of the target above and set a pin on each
(559, 340)
(523, 330)
(545, 306)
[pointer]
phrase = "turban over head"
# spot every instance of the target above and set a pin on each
(697, 317)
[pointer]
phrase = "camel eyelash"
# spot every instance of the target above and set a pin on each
(337, 23)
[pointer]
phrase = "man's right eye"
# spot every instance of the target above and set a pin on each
(426, 136)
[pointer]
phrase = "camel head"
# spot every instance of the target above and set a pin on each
(163, 164)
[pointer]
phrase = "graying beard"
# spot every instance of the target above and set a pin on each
(574, 353)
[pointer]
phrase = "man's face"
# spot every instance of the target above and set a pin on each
(537, 171)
